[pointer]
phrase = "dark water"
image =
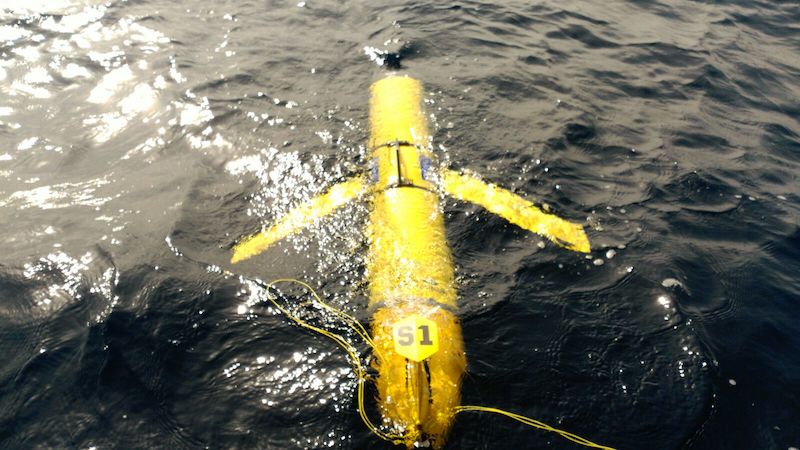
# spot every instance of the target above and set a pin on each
(671, 126)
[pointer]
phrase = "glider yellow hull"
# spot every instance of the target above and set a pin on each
(409, 269)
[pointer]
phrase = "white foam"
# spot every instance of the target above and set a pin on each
(252, 163)
(160, 82)
(140, 100)
(141, 33)
(198, 142)
(18, 87)
(37, 6)
(106, 125)
(59, 195)
(173, 72)
(75, 71)
(375, 55)
(96, 32)
(105, 58)
(29, 54)
(27, 144)
(60, 46)
(11, 33)
(37, 75)
(194, 114)
(110, 84)
(71, 23)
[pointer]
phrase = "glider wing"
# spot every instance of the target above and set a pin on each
(516, 210)
(300, 217)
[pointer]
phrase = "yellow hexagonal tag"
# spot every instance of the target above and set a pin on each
(416, 337)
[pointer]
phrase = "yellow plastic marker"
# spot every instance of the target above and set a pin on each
(416, 337)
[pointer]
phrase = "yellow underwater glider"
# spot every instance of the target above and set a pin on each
(416, 335)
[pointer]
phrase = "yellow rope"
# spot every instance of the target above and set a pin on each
(352, 352)
(361, 373)
(535, 424)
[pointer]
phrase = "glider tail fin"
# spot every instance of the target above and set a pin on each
(300, 217)
(516, 210)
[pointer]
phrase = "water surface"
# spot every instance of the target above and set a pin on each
(134, 132)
